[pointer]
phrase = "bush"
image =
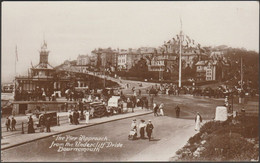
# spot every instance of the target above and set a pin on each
(229, 147)
(211, 126)
(195, 139)
(225, 141)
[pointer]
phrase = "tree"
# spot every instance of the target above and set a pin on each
(140, 69)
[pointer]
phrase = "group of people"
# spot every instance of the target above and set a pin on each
(74, 117)
(158, 109)
(74, 95)
(10, 124)
(44, 122)
(34, 95)
(142, 128)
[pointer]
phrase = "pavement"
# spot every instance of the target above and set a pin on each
(19, 139)
(169, 135)
(169, 144)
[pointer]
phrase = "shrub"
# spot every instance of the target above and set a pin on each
(211, 126)
(195, 139)
(231, 128)
(229, 147)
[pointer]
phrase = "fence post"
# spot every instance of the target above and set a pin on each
(58, 120)
(22, 129)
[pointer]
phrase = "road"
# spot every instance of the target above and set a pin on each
(169, 135)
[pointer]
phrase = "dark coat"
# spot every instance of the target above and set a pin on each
(30, 126)
(156, 109)
(8, 122)
(149, 128)
(13, 122)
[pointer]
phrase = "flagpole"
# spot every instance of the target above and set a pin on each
(241, 74)
(180, 56)
(15, 58)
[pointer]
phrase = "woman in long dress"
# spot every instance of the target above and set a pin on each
(30, 125)
(87, 116)
(142, 129)
(198, 120)
(161, 109)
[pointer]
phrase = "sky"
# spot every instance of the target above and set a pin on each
(73, 28)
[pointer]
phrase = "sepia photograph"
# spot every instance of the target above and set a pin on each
(129, 81)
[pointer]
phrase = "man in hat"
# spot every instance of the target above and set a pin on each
(155, 109)
(149, 129)
(177, 110)
(13, 123)
(48, 124)
(7, 123)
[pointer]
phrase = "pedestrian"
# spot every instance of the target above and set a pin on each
(77, 117)
(13, 123)
(135, 93)
(146, 103)
(48, 124)
(7, 123)
(149, 129)
(129, 103)
(155, 109)
(80, 106)
(43, 95)
(74, 116)
(87, 116)
(198, 120)
(71, 118)
(30, 125)
(108, 111)
(141, 128)
(132, 105)
(71, 96)
(140, 92)
(41, 123)
(161, 109)
(177, 110)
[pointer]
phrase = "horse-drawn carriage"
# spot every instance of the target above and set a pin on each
(115, 103)
(97, 109)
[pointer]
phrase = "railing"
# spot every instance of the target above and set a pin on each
(22, 127)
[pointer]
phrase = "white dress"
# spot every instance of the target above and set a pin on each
(161, 112)
(69, 116)
(87, 117)
(197, 125)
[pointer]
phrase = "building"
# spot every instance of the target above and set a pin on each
(41, 76)
(106, 58)
(162, 63)
(122, 59)
(217, 54)
(83, 60)
(206, 70)
(83, 63)
(126, 59)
